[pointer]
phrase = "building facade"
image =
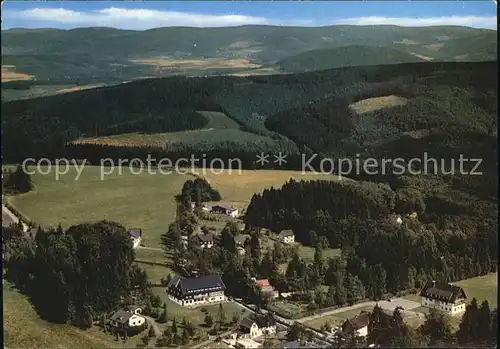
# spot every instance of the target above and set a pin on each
(227, 210)
(445, 297)
(135, 236)
(286, 236)
(193, 292)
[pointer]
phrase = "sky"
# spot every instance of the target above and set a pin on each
(146, 15)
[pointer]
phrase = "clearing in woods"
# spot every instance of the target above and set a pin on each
(238, 188)
(376, 103)
(144, 200)
(213, 63)
(482, 288)
(8, 76)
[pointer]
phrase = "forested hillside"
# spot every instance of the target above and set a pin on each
(443, 108)
(347, 56)
(110, 55)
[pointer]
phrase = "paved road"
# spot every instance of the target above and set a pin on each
(207, 342)
(9, 217)
(7, 220)
(336, 311)
(149, 248)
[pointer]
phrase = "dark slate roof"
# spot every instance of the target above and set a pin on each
(300, 344)
(212, 283)
(287, 232)
(357, 323)
(247, 322)
(135, 232)
(226, 207)
(133, 308)
(209, 237)
(121, 316)
(259, 319)
(442, 291)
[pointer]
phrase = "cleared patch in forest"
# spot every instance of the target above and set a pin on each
(376, 103)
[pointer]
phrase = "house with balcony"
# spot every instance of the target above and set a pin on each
(445, 297)
(197, 291)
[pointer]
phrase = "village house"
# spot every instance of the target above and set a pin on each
(203, 240)
(358, 325)
(127, 319)
(193, 292)
(287, 236)
(266, 287)
(444, 297)
(300, 345)
(256, 325)
(225, 209)
(135, 236)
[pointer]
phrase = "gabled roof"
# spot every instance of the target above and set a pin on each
(121, 316)
(135, 232)
(441, 291)
(285, 233)
(226, 207)
(357, 323)
(209, 237)
(188, 286)
(263, 283)
(262, 321)
(300, 344)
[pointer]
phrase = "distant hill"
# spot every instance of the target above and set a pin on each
(94, 55)
(348, 56)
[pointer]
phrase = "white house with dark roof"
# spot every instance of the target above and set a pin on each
(445, 297)
(256, 325)
(193, 292)
(203, 240)
(287, 236)
(358, 325)
(225, 209)
(126, 319)
(135, 236)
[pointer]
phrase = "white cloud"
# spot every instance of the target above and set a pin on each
(132, 18)
(146, 19)
(469, 21)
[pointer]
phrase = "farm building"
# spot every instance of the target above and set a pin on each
(445, 297)
(287, 236)
(358, 325)
(203, 240)
(193, 292)
(225, 209)
(135, 236)
(256, 325)
(127, 319)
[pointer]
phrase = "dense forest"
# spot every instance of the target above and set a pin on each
(436, 240)
(74, 276)
(295, 112)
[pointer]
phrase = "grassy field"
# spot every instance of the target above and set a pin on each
(481, 287)
(238, 189)
(377, 103)
(23, 328)
(145, 201)
(336, 319)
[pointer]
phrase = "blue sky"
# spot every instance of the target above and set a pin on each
(146, 15)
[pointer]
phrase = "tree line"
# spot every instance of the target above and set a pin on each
(75, 276)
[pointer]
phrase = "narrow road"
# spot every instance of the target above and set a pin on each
(336, 311)
(8, 217)
(153, 324)
(149, 248)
